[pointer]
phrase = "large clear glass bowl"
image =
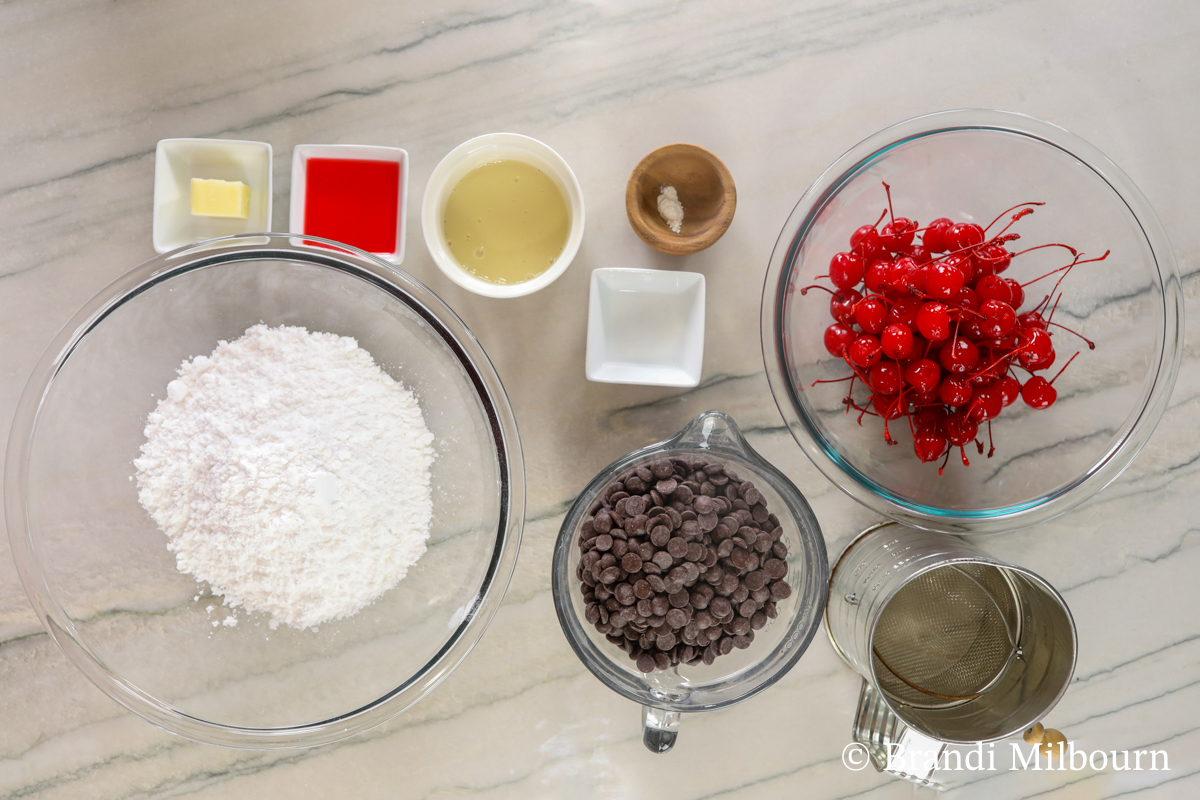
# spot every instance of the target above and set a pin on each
(97, 568)
(969, 166)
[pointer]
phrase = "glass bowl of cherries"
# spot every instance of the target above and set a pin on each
(972, 321)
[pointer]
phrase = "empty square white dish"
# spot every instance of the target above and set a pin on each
(645, 326)
(349, 152)
(177, 161)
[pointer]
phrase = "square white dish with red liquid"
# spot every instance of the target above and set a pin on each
(351, 193)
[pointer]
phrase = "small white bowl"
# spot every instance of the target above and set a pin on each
(177, 161)
(484, 150)
(349, 152)
(645, 326)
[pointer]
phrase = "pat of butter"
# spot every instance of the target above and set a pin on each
(213, 198)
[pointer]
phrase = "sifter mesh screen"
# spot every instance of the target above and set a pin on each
(947, 635)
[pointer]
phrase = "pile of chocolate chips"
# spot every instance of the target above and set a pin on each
(681, 563)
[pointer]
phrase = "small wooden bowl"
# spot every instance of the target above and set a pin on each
(705, 189)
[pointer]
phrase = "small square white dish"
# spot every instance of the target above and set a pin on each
(349, 152)
(177, 161)
(645, 326)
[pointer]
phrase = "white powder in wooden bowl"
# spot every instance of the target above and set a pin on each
(290, 473)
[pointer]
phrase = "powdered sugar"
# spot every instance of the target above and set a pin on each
(290, 473)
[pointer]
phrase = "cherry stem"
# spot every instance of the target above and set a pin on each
(882, 214)
(1024, 212)
(1064, 366)
(804, 290)
(945, 461)
(991, 444)
(1072, 250)
(830, 380)
(1091, 345)
(1065, 269)
(888, 190)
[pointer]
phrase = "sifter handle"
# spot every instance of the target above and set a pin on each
(894, 747)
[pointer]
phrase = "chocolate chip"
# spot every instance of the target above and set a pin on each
(642, 584)
(740, 558)
(775, 568)
(624, 594)
(754, 580)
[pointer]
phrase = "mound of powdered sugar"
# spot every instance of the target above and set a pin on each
(290, 473)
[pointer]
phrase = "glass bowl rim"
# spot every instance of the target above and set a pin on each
(450, 329)
(990, 520)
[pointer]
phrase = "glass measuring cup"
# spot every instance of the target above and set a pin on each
(666, 694)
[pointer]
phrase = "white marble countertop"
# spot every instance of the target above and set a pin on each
(778, 90)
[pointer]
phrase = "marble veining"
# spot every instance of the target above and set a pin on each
(778, 90)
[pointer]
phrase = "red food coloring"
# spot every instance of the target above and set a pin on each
(352, 201)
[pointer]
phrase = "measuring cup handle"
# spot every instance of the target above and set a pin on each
(660, 729)
(892, 745)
